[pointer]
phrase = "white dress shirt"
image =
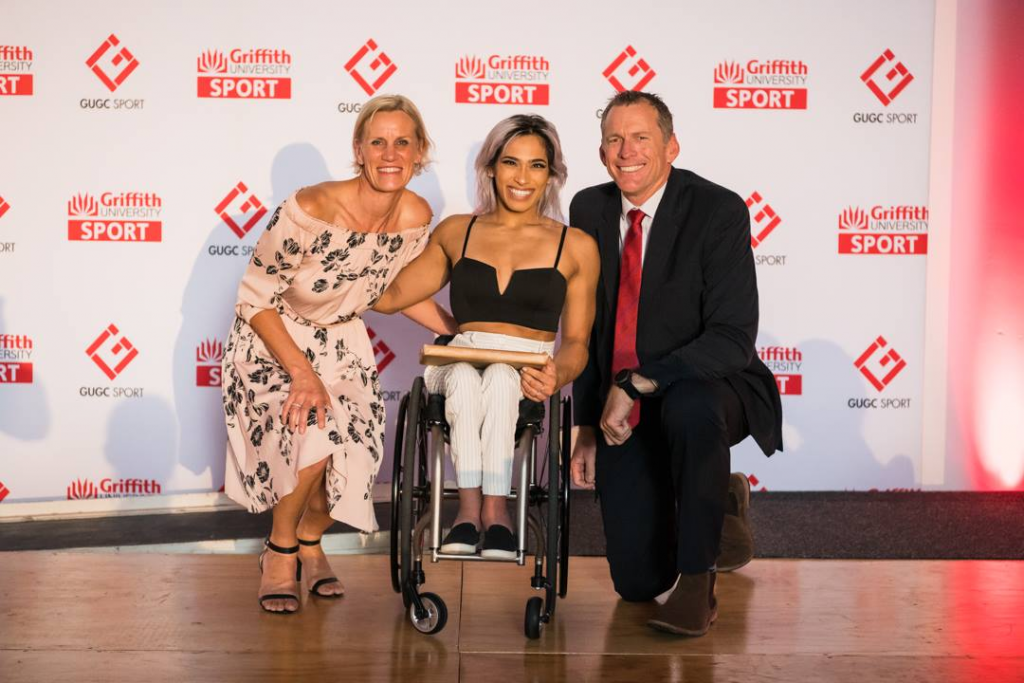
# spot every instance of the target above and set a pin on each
(649, 208)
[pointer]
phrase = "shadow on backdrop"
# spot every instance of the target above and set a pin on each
(474, 150)
(207, 312)
(141, 442)
(24, 408)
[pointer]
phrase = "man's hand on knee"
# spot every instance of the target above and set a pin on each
(584, 455)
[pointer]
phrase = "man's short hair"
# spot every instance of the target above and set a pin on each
(628, 97)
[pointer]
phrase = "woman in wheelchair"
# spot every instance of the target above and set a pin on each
(515, 270)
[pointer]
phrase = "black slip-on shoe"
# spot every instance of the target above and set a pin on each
(461, 540)
(499, 542)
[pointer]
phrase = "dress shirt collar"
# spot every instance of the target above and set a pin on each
(649, 207)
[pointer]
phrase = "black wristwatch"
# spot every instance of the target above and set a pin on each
(624, 381)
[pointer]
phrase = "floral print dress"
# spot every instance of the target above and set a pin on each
(319, 277)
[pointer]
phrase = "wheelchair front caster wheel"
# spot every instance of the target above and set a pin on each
(436, 617)
(533, 621)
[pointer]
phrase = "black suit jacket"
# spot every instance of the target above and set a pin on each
(698, 299)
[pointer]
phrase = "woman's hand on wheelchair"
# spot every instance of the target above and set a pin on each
(539, 384)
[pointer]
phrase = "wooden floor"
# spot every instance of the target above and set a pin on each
(141, 617)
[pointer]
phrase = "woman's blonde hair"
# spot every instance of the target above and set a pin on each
(393, 103)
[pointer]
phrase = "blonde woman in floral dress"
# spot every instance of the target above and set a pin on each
(302, 401)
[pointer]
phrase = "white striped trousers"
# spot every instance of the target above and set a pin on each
(482, 407)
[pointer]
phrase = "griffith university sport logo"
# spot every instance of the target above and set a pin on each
(786, 364)
(16, 77)
(884, 230)
(83, 489)
(209, 355)
(115, 217)
(240, 210)
(253, 74)
(502, 79)
(761, 84)
(15, 359)
(628, 71)
(370, 67)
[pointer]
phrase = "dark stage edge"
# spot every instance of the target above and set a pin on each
(825, 525)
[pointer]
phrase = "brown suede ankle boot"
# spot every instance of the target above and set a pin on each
(737, 546)
(691, 609)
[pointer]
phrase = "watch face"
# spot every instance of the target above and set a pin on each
(622, 376)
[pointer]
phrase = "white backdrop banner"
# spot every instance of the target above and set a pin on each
(145, 145)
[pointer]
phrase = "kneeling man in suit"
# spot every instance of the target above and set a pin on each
(673, 380)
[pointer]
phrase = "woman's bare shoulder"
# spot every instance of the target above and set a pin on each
(451, 231)
(319, 200)
(582, 247)
(415, 210)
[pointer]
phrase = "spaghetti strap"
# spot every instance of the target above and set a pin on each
(466, 241)
(561, 242)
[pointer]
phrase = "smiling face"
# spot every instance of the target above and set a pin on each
(389, 151)
(521, 173)
(635, 151)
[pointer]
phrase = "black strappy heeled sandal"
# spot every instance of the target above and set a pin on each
(270, 545)
(315, 588)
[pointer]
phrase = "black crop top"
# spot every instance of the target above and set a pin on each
(533, 297)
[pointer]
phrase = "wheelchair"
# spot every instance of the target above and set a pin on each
(417, 492)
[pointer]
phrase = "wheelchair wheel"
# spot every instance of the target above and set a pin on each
(532, 622)
(563, 499)
(436, 617)
(396, 492)
(407, 524)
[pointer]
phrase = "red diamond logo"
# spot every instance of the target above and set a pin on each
(240, 202)
(4, 491)
(112, 63)
(764, 219)
(111, 353)
(879, 366)
(629, 71)
(887, 77)
(3, 206)
(370, 67)
(382, 353)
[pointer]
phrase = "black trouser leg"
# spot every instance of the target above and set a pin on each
(634, 482)
(700, 420)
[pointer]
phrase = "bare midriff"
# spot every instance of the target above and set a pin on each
(509, 330)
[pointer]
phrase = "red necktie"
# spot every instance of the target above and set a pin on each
(630, 271)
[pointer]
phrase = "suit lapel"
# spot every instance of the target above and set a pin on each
(608, 245)
(660, 242)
